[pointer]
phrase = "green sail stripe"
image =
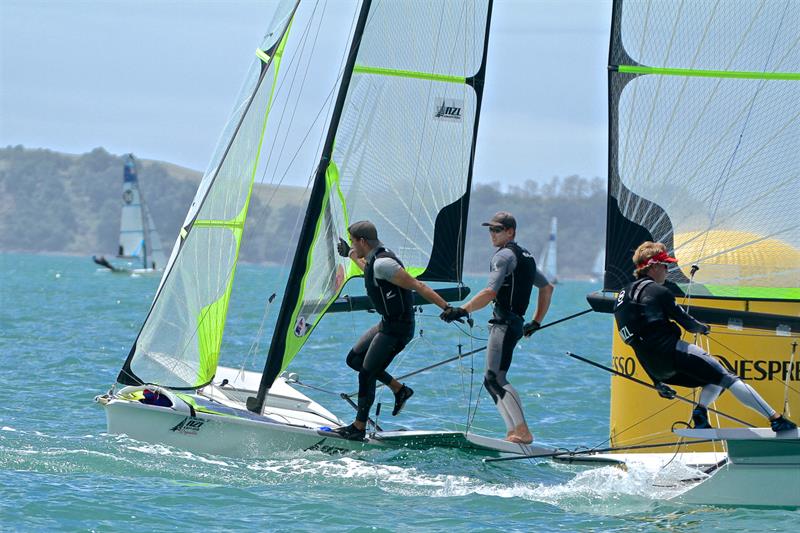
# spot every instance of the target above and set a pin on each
(631, 69)
(408, 74)
(236, 223)
(211, 319)
(772, 293)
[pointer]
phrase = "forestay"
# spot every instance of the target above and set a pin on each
(704, 101)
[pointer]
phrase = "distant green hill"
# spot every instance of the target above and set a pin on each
(55, 202)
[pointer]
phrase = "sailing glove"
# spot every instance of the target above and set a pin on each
(706, 329)
(665, 391)
(343, 248)
(529, 328)
(451, 314)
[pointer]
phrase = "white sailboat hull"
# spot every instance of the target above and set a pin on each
(291, 422)
(763, 469)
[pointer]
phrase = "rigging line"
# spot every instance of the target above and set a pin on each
(655, 435)
(589, 452)
(256, 344)
(644, 383)
(471, 352)
(429, 367)
(786, 387)
(325, 104)
(470, 417)
(743, 358)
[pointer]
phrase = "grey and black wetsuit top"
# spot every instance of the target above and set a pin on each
(502, 280)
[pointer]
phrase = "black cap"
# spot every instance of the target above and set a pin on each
(503, 219)
(363, 229)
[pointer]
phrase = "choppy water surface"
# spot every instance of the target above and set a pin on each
(66, 329)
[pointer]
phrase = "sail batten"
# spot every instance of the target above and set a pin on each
(636, 69)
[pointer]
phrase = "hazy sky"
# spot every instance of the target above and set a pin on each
(158, 78)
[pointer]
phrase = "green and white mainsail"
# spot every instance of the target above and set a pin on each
(399, 152)
(138, 239)
(704, 132)
(179, 343)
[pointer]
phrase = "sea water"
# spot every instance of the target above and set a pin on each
(66, 328)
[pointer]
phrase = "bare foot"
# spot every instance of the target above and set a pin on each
(520, 439)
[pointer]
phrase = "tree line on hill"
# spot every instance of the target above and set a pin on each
(62, 203)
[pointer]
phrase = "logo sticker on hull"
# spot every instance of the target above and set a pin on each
(189, 426)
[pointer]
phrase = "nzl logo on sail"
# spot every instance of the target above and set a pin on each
(448, 109)
(189, 426)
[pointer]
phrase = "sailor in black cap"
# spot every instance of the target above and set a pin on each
(513, 274)
(389, 287)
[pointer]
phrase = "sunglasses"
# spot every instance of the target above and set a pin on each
(496, 229)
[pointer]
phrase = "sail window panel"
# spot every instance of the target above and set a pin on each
(402, 162)
(732, 35)
(719, 157)
(181, 331)
(432, 36)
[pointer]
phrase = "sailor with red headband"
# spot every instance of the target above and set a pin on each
(645, 311)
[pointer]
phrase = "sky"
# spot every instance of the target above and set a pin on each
(159, 78)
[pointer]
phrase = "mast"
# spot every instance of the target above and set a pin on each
(276, 349)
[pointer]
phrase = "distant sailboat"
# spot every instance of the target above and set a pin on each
(139, 243)
(547, 259)
(599, 266)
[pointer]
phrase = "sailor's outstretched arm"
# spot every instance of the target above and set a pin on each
(543, 301)
(480, 300)
(404, 280)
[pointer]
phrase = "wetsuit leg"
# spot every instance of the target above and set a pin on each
(379, 355)
(499, 351)
(696, 368)
(709, 394)
(692, 361)
(748, 396)
(355, 359)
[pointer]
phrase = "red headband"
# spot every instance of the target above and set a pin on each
(660, 257)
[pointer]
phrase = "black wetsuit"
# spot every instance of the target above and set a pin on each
(378, 346)
(644, 312)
